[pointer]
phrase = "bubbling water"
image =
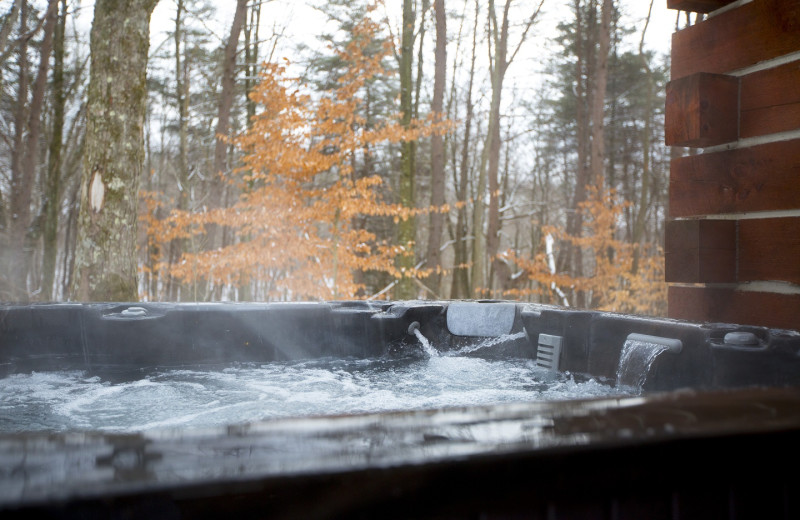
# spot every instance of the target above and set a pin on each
(62, 401)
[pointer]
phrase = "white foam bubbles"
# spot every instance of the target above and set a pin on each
(198, 398)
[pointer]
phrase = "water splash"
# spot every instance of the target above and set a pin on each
(426, 345)
(635, 361)
(488, 342)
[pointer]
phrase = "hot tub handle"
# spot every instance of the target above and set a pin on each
(134, 312)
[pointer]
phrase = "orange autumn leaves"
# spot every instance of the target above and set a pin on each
(293, 228)
(612, 283)
(299, 195)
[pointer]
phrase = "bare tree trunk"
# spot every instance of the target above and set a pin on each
(599, 102)
(224, 113)
(8, 26)
(105, 255)
(598, 105)
(420, 57)
(461, 279)
(572, 256)
(406, 228)
(179, 246)
(493, 143)
(69, 240)
(641, 214)
(251, 67)
(181, 100)
(434, 255)
(251, 47)
(478, 274)
(23, 178)
(52, 200)
(71, 157)
(9, 289)
(499, 63)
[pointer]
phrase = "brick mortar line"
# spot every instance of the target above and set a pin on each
(749, 142)
(786, 288)
(752, 215)
(771, 63)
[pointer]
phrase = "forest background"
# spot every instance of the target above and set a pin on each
(191, 150)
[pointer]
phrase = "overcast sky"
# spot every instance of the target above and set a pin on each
(303, 22)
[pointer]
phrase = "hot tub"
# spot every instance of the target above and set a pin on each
(700, 420)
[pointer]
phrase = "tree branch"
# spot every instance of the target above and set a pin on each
(5, 53)
(530, 23)
(8, 24)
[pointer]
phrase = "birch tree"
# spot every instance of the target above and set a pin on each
(105, 256)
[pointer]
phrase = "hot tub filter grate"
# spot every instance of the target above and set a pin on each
(548, 352)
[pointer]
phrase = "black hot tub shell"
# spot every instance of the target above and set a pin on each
(713, 434)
